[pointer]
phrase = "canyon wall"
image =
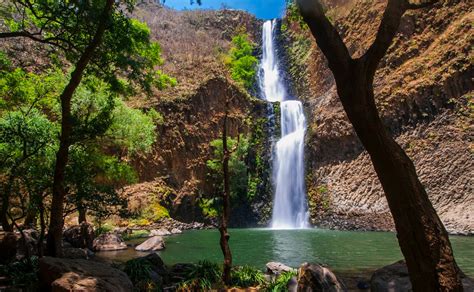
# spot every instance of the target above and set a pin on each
(424, 93)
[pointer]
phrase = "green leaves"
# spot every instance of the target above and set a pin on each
(23, 136)
(241, 62)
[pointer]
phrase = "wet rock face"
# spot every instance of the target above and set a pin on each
(58, 274)
(314, 277)
(108, 242)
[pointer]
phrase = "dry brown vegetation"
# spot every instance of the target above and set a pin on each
(193, 43)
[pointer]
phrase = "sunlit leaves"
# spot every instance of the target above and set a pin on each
(241, 62)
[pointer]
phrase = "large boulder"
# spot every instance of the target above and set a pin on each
(314, 277)
(77, 253)
(152, 244)
(108, 241)
(80, 236)
(62, 275)
(276, 268)
(395, 278)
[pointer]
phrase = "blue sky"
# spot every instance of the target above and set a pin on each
(264, 9)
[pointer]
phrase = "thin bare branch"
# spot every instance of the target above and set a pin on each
(387, 30)
(327, 37)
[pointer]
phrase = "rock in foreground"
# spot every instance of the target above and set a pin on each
(58, 274)
(314, 277)
(395, 278)
(109, 241)
(276, 268)
(152, 244)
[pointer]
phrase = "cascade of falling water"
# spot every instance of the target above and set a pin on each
(290, 208)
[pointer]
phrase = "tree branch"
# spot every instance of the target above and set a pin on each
(387, 30)
(327, 37)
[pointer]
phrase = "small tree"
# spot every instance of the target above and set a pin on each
(422, 236)
(224, 241)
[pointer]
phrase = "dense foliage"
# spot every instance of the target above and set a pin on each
(237, 171)
(241, 61)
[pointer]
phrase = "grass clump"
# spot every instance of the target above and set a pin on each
(104, 228)
(136, 234)
(201, 277)
(139, 271)
(247, 276)
(281, 282)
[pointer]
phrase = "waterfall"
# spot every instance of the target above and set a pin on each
(290, 208)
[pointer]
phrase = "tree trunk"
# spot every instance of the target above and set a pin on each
(82, 215)
(54, 238)
(6, 224)
(224, 240)
(422, 236)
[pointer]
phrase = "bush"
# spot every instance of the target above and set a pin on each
(22, 273)
(139, 272)
(202, 277)
(136, 234)
(281, 282)
(103, 228)
(240, 60)
(247, 276)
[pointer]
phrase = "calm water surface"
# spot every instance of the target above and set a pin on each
(343, 251)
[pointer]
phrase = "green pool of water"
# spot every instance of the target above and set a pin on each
(343, 251)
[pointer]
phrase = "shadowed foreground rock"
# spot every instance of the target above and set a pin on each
(58, 274)
(314, 277)
(395, 278)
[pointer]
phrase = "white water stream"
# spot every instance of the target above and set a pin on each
(290, 208)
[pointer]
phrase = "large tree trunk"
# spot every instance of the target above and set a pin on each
(422, 237)
(224, 239)
(54, 239)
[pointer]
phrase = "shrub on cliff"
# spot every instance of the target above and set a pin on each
(241, 62)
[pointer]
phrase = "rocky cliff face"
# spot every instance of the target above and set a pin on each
(193, 44)
(424, 92)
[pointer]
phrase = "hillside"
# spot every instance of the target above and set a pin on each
(193, 46)
(424, 94)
